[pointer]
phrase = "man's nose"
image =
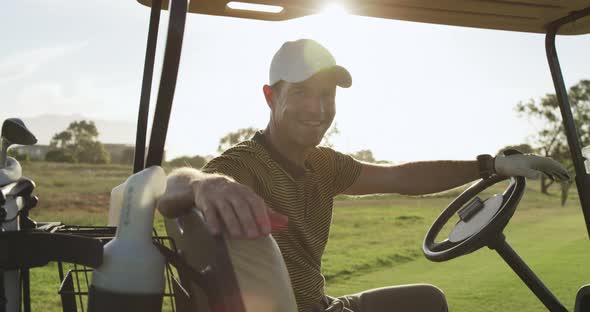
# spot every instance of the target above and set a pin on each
(317, 106)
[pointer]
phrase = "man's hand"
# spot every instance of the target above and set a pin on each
(228, 206)
(530, 166)
(234, 208)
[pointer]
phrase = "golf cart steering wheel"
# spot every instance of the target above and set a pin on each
(481, 222)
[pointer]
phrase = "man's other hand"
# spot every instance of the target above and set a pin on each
(234, 208)
(530, 166)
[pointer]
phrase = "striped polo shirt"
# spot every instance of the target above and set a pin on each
(305, 195)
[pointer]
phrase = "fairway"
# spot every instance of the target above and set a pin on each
(375, 241)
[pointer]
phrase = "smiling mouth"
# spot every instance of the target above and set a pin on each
(311, 123)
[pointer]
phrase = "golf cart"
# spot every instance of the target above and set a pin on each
(481, 224)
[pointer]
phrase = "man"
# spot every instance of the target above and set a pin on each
(281, 174)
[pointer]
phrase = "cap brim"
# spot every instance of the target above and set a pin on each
(339, 74)
(342, 76)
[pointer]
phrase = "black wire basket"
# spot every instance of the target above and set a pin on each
(75, 279)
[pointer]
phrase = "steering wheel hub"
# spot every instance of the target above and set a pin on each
(468, 227)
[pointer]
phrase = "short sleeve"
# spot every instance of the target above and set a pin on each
(345, 170)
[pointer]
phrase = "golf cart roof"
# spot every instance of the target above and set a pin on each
(514, 15)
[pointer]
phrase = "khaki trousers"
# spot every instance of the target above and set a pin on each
(403, 298)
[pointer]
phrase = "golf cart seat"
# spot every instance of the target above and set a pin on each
(221, 274)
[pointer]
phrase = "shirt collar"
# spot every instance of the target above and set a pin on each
(290, 167)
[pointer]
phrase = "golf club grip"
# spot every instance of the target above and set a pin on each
(33, 249)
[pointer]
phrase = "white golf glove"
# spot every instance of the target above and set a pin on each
(530, 166)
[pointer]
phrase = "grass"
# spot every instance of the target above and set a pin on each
(553, 241)
(375, 241)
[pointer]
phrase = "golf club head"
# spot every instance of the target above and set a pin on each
(24, 187)
(15, 132)
(10, 171)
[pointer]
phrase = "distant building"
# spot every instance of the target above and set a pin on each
(35, 152)
(120, 153)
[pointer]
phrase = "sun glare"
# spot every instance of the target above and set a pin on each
(235, 5)
(335, 10)
(334, 21)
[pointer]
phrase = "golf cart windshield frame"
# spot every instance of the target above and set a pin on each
(178, 11)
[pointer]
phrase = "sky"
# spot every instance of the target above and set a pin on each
(420, 91)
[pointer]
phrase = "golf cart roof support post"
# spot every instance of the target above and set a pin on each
(527, 275)
(176, 22)
(146, 87)
(582, 178)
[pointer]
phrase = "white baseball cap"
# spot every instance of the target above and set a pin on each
(297, 61)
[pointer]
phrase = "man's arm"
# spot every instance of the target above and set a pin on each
(416, 178)
(227, 205)
(428, 177)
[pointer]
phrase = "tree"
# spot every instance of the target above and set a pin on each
(365, 155)
(60, 155)
(78, 143)
(330, 134)
(551, 140)
(185, 161)
(83, 131)
(61, 140)
(93, 152)
(77, 131)
(235, 137)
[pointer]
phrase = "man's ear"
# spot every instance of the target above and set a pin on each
(268, 95)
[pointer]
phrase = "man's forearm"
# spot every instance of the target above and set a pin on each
(179, 195)
(416, 178)
(430, 177)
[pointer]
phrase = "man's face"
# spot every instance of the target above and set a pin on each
(303, 112)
